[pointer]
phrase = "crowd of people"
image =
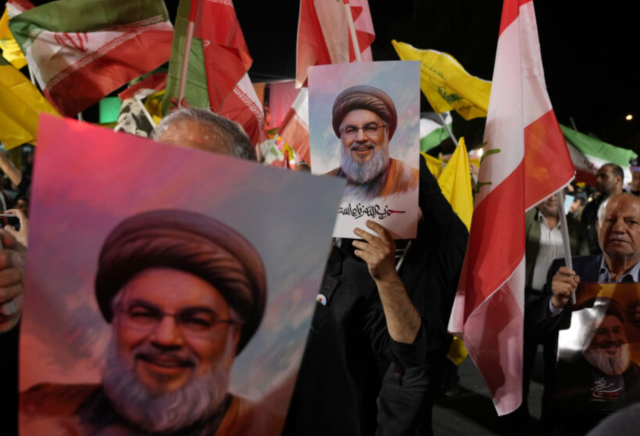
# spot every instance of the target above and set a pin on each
(378, 342)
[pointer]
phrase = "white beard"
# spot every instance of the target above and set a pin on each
(164, 412)
(363, 173)
(610, 365)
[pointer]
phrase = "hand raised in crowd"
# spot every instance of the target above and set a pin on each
(11, 278)
(21, 235)
(633, 313)
(378, 252)
(563, 285)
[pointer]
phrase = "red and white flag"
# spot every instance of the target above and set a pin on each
(295, 127)
(525, 160)
(323, 34)
(81, 50)
(227, 61)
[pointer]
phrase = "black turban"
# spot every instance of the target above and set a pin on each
(367, 98)
(189, 242)
(609, 305)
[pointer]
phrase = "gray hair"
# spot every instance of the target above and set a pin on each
(239, 145)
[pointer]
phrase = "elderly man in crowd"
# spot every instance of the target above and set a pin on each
(184, 294)
(618, 229)
(365, 119)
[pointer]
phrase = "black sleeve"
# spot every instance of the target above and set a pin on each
(324, 399)
(539, 325)
(383, 345)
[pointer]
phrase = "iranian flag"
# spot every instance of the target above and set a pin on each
(295, 127)
(589, 154)
(218, 63)
(323, 34)
(81, 50)
(525, 160)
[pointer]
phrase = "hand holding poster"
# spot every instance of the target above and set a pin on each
(156, 299)
(364, 126)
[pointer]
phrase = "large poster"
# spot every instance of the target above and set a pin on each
(169, 290)
(364, 127)
(599, 354)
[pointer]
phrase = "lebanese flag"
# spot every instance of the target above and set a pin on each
(218, 65)
(81, 50)
(323, 34)
(525, 160)
(295, 127)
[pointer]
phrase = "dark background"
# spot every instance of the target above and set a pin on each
(589, 52)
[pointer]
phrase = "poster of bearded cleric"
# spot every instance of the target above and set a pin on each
(364, 127)
(599, 354)
(168, 289)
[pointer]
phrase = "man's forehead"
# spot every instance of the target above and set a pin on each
(359, 115)
(196, 134)
(626, 207)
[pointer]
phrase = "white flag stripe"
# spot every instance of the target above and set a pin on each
(504, 129)
(535, 91)
(301, 106)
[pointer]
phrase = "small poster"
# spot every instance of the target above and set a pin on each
(169, 290)
(599, 355)
(364, 127)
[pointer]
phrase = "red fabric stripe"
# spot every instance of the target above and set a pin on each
(586, 177)
(510, 11)
(548, 165)
(91, 83)
(496, 242)
(297, 136)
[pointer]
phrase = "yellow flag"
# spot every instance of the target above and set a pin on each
(435, 165)
(455, 183)
(20, 105)
(153, 104)
(446, 84)
(457, 351)
(10, 48)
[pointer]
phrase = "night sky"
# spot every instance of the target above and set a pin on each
(588, 51)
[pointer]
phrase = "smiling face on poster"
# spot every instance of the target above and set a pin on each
(167, 291)
(364, 127)
(598, 365)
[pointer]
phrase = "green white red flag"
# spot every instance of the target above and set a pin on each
(218, 63)
(81, 50)
(525, 160)
(323, 34)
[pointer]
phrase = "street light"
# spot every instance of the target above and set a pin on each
(629, 117)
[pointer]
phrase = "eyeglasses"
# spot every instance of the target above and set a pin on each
(192, 322)
(370, 130)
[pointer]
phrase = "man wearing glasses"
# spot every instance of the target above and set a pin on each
(365, 119)
(184, 294)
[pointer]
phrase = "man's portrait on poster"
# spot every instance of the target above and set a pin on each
(364, 119)
(183, 294)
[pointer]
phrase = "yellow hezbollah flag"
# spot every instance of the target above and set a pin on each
(455, 183)
(20, 105)
(435, 165)
(446, 84)
(10, 48)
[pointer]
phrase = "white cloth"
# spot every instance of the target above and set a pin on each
(551, 248)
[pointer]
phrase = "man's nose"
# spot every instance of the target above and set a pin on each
(167, 333)
(619, 226)
(361, 136)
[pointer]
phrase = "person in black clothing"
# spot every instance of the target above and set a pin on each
(430, 273)
(608, 183)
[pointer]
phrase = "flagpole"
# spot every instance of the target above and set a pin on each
(187, 52)
(453, 138)
(564, 231)
(33, 79)
(352, 31)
